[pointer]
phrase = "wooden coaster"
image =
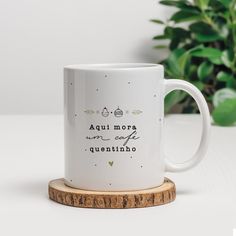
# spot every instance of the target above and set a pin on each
(66, 195)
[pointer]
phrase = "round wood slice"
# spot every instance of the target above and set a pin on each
(66, 195)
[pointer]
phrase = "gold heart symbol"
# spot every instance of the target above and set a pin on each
(110, 163)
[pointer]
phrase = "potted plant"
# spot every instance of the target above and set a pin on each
(201, 37)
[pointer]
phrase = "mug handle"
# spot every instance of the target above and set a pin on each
(175, 84)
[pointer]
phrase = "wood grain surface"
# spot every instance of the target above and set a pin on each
(66, 195)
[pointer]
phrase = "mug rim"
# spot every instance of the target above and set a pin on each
(113, 66)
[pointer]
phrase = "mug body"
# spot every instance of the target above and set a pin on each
(113, 126)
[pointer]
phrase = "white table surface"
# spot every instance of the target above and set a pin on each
(31, 154)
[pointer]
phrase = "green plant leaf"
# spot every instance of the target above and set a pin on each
(224, 76)
(205, 70)
(174, 43)
(183, 5)
(206, 52)
(199, 85)
(191, 71)
(202, 28)
(203, 38)
(172, 3)
(203, 32)
(226, 3)
(157, 21)
(177, 32)
(183, 61)
(227, 57)
(203, 4)
(213, 54)
(232, 25)
(160, 46)
(231, 83)
(216, 6)
(215, 60)
(183, 16)
(177, 35)
(223, 94)
(173, 98)
(225, 113)
(160, 37)
(173, 62)
(228, 78)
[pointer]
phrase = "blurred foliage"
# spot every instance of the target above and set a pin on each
(201, 37)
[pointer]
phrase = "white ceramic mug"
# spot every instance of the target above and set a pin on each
(113, 126)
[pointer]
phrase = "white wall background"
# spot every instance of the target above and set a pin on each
(39, 37)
